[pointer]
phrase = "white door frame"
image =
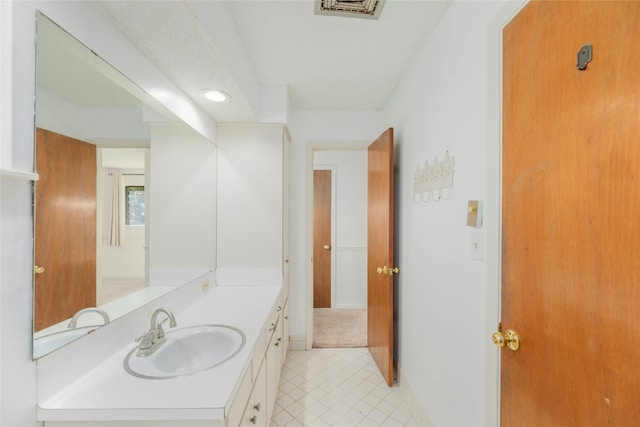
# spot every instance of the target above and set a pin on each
(493, 214)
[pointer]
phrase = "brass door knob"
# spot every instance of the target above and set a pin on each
(38, 270)
(387, 270)
(327, 247)
(510, 338)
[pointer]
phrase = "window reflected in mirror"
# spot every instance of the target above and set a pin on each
(134, 213)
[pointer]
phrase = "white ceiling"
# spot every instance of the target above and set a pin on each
(326, 62)
(331, 62)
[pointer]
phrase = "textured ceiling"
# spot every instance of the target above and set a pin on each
(327, 62)
(169, 34)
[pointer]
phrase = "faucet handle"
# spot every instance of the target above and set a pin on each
(144, 340)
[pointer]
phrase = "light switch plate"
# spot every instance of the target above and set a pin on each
(477, 245)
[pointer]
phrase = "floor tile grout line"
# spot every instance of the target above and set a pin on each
(324, 372)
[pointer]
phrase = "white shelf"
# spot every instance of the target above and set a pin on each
(20, 175)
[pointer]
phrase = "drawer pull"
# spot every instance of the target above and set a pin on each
(279, 308)
(253, 419)
(257, 406)
(272, 328)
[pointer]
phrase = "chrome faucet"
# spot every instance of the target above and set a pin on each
(74, 320)
(151, 340)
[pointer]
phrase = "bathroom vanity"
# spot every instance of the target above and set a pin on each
(237, 228)
(240, 391)
(86, 384)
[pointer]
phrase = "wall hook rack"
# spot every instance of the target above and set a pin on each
(434, 180)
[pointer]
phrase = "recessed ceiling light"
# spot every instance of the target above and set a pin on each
(216, 95)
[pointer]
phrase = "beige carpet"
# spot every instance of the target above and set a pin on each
(339, 327)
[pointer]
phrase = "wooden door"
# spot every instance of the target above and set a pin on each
(571, 203)
(380, 253)
(65, 227)
(321, 239)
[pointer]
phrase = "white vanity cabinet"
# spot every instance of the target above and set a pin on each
(252, 197)
(240, 392)
(263, 378)
(272, 361)
(255, 413)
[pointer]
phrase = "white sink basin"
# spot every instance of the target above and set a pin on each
(187, 350)
(47, 343)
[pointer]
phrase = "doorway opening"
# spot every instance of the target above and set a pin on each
(336, 309)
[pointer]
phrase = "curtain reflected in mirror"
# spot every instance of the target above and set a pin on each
(114, 189)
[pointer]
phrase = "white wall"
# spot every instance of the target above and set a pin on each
(250, 199)
(443, 104)
(57, 114)
(182, 211)
(349, 240)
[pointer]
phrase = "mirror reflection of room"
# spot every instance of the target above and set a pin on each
(92, 143)
(122, 193)
(100, 138)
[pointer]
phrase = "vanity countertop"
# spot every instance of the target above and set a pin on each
(108, 392)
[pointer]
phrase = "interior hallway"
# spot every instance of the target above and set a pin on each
(337, 387)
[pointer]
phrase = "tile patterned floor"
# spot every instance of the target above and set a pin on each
(339, 387)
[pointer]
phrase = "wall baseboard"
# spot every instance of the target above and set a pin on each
(297, 343)
(412, 401)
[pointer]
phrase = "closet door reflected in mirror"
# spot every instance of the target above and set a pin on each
(65, 228)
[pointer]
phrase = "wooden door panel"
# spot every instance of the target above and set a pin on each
(321, 239)
(570, 270)
(380, 253)
(65, 227)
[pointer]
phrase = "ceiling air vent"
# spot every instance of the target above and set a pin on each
(350, 8)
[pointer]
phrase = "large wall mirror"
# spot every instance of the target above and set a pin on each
(125, 204)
